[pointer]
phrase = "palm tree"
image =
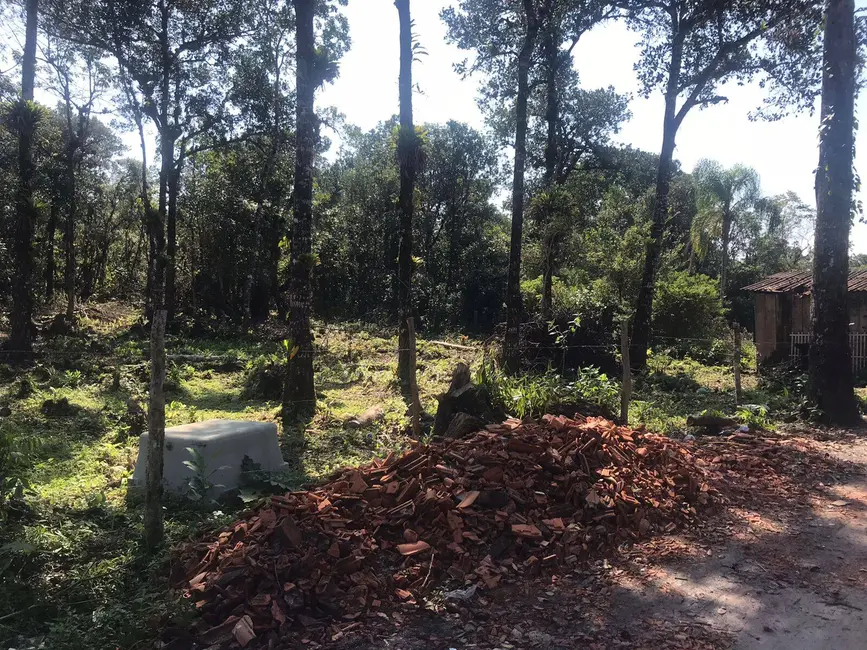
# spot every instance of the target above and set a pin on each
(725, 197)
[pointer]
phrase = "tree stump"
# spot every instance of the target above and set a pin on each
(464, 408)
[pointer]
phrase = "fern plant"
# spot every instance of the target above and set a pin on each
(15, 453)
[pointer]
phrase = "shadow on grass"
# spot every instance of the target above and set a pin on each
(229, 401)
(81, 578)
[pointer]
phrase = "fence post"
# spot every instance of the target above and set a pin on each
(736, 364)
(626, 387)
(413, 382)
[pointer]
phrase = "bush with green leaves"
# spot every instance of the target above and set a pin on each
(263, 378)
(755, 416)
(532, 394)
(583, 329)
(688, 316)
(199, 486)
(15, 451)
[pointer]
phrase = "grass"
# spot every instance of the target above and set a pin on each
(72, 565)
(72, 569)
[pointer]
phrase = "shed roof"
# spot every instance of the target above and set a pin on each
(801, 282)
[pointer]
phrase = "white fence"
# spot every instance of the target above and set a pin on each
(800, 342)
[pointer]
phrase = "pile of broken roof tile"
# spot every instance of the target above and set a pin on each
(506, 501)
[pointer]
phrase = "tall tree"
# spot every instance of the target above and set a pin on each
(457, 232)
(408, 153)
(514, 306)
(567, 126)
(174, 53)
(300, 394)
(689, 48)
(724, 196)
(153, 517)
(830, 375)
(504, 36)
(74, 66)
(27, 116)
(177, 55)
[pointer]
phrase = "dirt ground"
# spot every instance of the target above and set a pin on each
(782, 566)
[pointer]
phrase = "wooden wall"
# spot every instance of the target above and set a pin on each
(767, 306)
(800, 314)
(779, 315)
(858, 312)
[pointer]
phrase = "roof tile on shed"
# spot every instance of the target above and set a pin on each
(802, 282)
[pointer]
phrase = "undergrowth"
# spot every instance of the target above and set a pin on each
(72, 569)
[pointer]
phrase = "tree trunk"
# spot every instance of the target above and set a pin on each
(69, 234)
(407, 153)
(514, 307)
(174, 182)
(50, 269)
(641, 328)
(146, 207)
(830, 375)
(552, 114)
(20, 334)
(153, 516)
(259, 277)
(299, 397)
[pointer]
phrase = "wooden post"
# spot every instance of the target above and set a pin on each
(413, 381)
(626, 388)
(736, 364)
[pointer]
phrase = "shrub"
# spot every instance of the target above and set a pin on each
(263, 378)
(534, 394)
(566, 300)
(583, 325)
(15, 452)
(688, 315)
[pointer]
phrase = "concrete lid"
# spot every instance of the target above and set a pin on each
(211, 430)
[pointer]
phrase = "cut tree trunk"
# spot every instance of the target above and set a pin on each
(299, 396)
(830, 375)
(20, 319)
(514, 304)
(463, 408)
(407, 154)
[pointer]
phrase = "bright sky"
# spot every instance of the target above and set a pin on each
(784, 153)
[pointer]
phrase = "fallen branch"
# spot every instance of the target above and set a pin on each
(453, 346)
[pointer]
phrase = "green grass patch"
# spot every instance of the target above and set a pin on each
(71, 561)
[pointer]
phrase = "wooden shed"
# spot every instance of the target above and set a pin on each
(782, 315)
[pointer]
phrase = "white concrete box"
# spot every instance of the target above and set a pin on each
(222, 444)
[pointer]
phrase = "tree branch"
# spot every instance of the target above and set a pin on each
(715, 70)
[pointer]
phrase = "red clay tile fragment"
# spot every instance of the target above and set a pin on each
(412, 549)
